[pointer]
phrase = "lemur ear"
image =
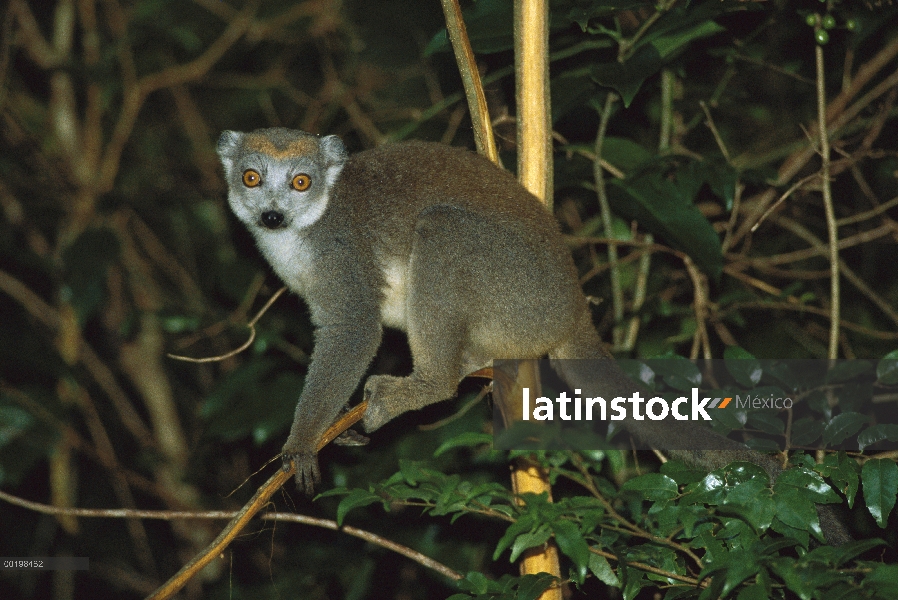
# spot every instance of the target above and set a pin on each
(228, 142)
(333, 149)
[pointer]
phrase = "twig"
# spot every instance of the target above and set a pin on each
(710, 124)
(252, 336)
(782, 199)
(831, 226)
(700, 340)
(171, 515)
(798, 255)
(134, 97)
(467, 67)
(799, 230)
(650, 568)
(617, 294)
(868, 214)
(804, 308)
(837, 116)
(639, 295)
(245, 514)
(459, 413)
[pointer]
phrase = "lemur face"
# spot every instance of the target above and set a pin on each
(279, 178)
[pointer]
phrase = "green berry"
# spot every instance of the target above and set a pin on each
(822, 36)
(811, 20)
(829, 21)
(851, 24)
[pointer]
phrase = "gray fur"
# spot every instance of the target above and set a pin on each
(435, 241)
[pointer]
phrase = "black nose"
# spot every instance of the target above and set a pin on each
(272, 219)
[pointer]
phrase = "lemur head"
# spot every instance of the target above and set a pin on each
(279, 178)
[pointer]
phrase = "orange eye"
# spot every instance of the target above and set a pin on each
(301, 182)
(251, 178)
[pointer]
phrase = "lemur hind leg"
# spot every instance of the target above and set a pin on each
(435, 324)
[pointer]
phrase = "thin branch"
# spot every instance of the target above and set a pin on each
(650, 568)
(381, 541)
(782, 199)
(868, 214)
(617, 293)
(245, 514)
(804, 308)
(829, 208)
(171, 515)
(837, 116)
(134, 97)
(639, 295)
(798, 255)
(470, 75)
(700, 341)
(710, 124)
(252, 335)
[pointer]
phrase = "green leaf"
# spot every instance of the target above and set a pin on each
(806, 431)
(572, 543)
(666, 208)
(767, 421)
(796, 491)
(810, 484)
(668, 45)
(525, 523)
(600, 567)
(877, 433)
(531, 587)
(743, 366)
(14, 422)
(652, 486)
(531, 539)
(474, 582)
(681, 472)
(884, 580)
(843, 426)
(753, 592)
(844, 472)
(624, 153)
(602, 8)
(847, 370)
(356, 498)
(85, 264)
(626, 78)
(755, 500)
(880, 480)
(887, 369)
(853, 549)
(679, 373)
(465, 440)
(736, 567)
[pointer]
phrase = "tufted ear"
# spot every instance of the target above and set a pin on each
(333, 149)
(228, 146)
(228, 142)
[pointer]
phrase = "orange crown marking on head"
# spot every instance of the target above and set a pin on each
(298, 147)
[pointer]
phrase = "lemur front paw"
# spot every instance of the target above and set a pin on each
(307, 473)
(380, 393)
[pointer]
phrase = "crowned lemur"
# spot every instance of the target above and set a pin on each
(432, 240)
